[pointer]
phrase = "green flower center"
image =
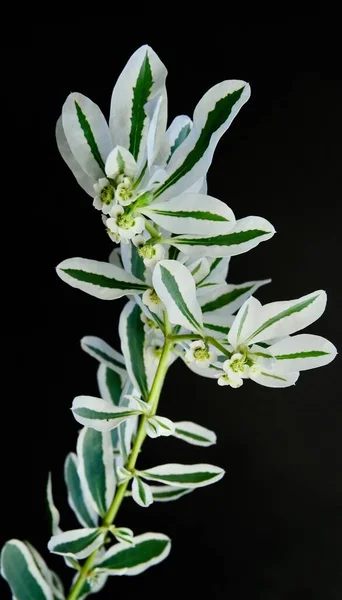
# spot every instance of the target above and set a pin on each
(107, 194)
(201, 354)
(125, 221)
(146, 251)
(154, 297)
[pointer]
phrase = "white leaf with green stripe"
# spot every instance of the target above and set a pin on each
(244, 322)
(227, 298)
(104, 353)
(99, 414)
(77, 543)
(199, 269)
(192, 214)
(212, 117)
(50, 577)
(148, 550)
(110, 384)
(176, 287)
(280, 319)
(217, 325)
(275, 378)
(142, 79)
(120, 162)
(194, 434)
(157, 116)
(166, 493)
(134, 345)
(185, 476)
(127, 429)
(99, 279)
(85, 181)
(123, 534)
(96, 468)
(302, 352)
(77, 498)
(87, 133)
(115, 258)
(159, 426)
(218, 271)
(245, 235)
(141, 492)
(53, 511)
(133, 263)
(173, 138)
(22, 574)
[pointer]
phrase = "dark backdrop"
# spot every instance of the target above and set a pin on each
(272, 528)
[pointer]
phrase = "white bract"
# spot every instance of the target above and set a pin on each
(149, 182)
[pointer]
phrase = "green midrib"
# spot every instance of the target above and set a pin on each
(282, 315)
(183, 477)
(104, 356)
(215, 118)
(309, 354)
(199, 215)
(88, 413)
(172, 287)
(89, 136)
(141, 93)
(103, 280)
(193, 436)
(225, 299)
(229, 239)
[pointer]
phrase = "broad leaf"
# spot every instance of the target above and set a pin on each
(194, 434)
(302, 352)
(186, 476)
(99, 279)
(100, 414)
(96, 468)
(141, 492)
(149, 549)
(19, 569)
(245, 235)
(176, 287)
(192, 214)
(77, 543)
(77, 499)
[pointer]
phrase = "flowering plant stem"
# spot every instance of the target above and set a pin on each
(153, 399)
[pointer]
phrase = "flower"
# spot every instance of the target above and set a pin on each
(200, 354)
(105, 197)
(150, 253)
(122, 225)
(152, 301)
(263, 348)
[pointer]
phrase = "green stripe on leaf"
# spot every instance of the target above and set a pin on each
(309, 354)
(201, 215)
(297, 308)
(103, 280)
(183, 134)
(215, 119)
(173, 289)
(229, 239)
(225, 299)
(141, 94)
(89, 136)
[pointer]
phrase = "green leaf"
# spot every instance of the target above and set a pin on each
(149, 549)
(76, 498)
(141, 93)
(77, 543)
(20, 571)
(100, 350)
(132, 335)
(96, 468)
(164, 493)
(194, 434)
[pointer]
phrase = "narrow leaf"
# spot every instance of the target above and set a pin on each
(20, 571)
(76, 498)
(149, 549)
(99, 414)
(194, 434)
(77, 543)
(187, 476)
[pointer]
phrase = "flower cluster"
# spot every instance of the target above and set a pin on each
(175, 244)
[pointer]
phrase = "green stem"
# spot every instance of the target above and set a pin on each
(152, 230)
(153, 399)
(214, 342)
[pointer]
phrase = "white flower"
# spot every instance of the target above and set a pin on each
(200, 354)
(263, 348)
(153, 302)
(124, 192)
(123, 225)
(105, 195)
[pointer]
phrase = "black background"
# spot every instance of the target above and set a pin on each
(272, 528)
